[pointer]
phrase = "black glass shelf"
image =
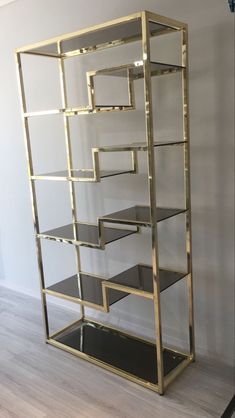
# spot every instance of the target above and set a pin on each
(79, 175)
(140, 215)
(91, 289)
(106, 36)
(87, 234)
(138, 277)
(137, 69)
(114, 348)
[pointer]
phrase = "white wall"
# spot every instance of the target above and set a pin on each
(211, 105)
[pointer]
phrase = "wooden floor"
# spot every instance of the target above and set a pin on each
(37, 380)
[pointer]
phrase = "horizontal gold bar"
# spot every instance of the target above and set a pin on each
(69, 241)
(127, 289)
(166, 21)
(58, 178)
(74, 300)
(79, 111)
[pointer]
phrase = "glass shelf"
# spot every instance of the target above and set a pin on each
(137, 146)
(79, 175)
(137, 70)
(91, 41)
(91, 290)
(140, 215)
(87, 234)
(141, 277)
(117, 349)
(138, 277)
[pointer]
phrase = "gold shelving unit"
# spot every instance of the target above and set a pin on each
(145, 362)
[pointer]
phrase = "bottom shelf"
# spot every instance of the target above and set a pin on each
(114, 349)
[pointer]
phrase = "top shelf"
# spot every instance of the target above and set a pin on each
(106, 35)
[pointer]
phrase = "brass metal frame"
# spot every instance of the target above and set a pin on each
(164, 26)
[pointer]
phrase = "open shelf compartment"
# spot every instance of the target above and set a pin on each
(116, 351)
(136, 280)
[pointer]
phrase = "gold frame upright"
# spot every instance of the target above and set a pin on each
(167, 25)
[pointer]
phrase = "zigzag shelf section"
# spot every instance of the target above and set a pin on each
(131, 71)
(101, 293)
(97, 236)
(95, 174)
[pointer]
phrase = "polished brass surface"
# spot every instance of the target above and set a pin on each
(89, 290)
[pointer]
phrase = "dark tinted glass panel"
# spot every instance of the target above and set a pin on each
(87, 233)
(116, 349)
(141, 215)
(125, 30)
(91, 289)
(140, 277)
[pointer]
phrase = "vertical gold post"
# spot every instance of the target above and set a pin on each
(96, 165)
(70, 168)
(131, 90)
(187, 187)
(33, 193)
(91, 90)
(152, 194)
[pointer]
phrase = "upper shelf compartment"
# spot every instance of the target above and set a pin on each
(109, 34)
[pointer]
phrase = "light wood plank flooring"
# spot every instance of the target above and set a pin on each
(38, 381)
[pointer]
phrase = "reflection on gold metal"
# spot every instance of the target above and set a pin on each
(68, 147)
(186, 132)
(141, 27)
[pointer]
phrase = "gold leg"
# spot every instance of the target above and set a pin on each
(187, 188)
(70, 168)
(33, 194)
(152, 194)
